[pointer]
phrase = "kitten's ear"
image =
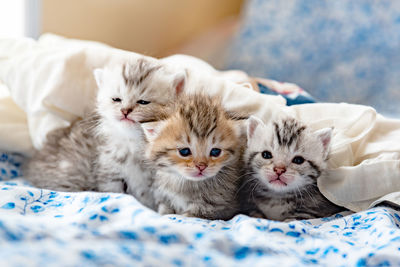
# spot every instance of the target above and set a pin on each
(179, 82)
(325, 136)
(252, 124)
(98, 76)
(152, 129)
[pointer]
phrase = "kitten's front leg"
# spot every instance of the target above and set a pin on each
(297, 216)
(165, 209)
(188, 214)
(288, 220)
(200, 210)
(112, 185)
(256, 214)
(210, 212)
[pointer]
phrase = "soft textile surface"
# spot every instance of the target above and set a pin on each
(51, 84)
(338, 50)
(43, 228)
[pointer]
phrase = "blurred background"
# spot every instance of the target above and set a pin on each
(152, 27)
(338, 51)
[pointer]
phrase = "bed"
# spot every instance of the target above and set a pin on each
(43, 228)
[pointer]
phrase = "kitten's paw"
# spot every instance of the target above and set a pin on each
(256, 214)
(112, 186)
(287, 220)
(188, 214)
(298, 218)
(164, 209)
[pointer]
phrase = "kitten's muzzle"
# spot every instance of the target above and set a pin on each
(201, 166)
(279, 170)
(126, 111)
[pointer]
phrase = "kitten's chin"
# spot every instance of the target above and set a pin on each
(127, 129)
(127, 121)
(283, 184)
(278, 183)
(278, 186)
(197, 177)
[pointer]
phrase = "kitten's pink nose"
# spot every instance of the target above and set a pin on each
(279, 170)
(201, 166)
(126, 111)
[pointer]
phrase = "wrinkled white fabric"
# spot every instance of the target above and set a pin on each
(14, 132)
(364, 162)
(52, 81)
(51, 84)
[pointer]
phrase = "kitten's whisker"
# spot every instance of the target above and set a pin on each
(256, 184)
(311, 197)
(301, 195)
(250, 179)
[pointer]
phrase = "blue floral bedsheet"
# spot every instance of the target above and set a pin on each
(46, 228)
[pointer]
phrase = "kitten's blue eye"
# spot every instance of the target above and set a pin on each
(185, 152)
(215, 152)
(266, 155)
(298, 160)
(116, 99)
(143, 102)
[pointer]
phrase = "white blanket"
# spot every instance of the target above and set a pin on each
(51, 84)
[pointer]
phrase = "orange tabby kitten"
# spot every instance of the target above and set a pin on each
(196, 152)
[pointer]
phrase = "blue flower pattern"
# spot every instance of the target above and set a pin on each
(42, 228)
(339, 51)
(10, 164)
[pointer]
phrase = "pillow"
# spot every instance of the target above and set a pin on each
(339, 51)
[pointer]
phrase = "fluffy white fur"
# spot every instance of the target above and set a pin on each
(124, 137)
(261, 137)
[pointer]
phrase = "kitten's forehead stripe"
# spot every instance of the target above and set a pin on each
(211, 130)
(136, 74)
(288, 132)
(278, 136)
(202, 116)
(188, 139)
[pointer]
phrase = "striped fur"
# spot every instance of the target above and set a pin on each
(135, 75)
(103, 152)
(200, 124)
(294, 195)
(288, 132)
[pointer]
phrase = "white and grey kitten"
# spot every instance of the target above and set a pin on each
(104, 151)
(196, 152)
(144, 92)
(283, 161)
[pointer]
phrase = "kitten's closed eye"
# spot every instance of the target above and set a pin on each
(266, 155)
(116, 99)
(185, 152)
(143, 102)
(215, 152)
(298, 160)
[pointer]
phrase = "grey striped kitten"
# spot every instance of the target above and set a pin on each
(196, 152)
(283, 161)
(104, 151)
